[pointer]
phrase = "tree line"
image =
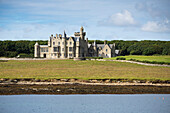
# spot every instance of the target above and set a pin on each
(13, 48)
(147, 47)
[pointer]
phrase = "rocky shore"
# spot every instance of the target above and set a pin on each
(90, 81)
(17, 89)
(75, 86)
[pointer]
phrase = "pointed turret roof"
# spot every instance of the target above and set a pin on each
(64, 35)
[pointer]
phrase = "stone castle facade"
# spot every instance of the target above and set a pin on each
(73, 47)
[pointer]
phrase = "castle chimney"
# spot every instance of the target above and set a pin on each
(56, 35)
(87, 40)
(60, 36)
(105, 42)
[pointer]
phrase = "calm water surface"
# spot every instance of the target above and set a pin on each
(146, 103)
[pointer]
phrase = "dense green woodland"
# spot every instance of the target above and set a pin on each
(147, 47)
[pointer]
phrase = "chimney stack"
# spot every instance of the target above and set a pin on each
(105, 42)
(87, 40)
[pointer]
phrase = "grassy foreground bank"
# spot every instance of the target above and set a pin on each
(46, 69)
(165, 59)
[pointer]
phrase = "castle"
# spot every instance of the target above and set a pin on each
(73, 47)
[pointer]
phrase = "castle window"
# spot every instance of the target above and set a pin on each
(70, 43)
(106, 50)
(63, 43)
(62, 49)
(53, 43)
(70, 49)
(56, 49)
(106, 54)
(70, 55)
(44, 49)
(58, 43)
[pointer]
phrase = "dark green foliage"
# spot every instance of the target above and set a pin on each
(147, 47)
(3, 60)
(94, 58)
(24, 55)
(10, 54)
(120, 58)
(14, 48)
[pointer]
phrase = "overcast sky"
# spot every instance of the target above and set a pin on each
(101, 19)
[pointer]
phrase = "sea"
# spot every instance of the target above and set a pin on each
(95, 103)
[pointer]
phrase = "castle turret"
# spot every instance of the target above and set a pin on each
(95, 49)
(95, 45)
(63, 46)
(64, 34)
(82, 34)
(50, 40)
(37, 50)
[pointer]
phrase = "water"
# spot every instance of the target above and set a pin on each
(146, 103)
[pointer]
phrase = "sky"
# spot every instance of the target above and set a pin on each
(101, 19)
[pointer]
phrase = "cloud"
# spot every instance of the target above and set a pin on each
(35, 31)
(119, 19)
(155, 8)
(155, 26)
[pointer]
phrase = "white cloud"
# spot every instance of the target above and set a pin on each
(35, 31)
(155, 26)
(120, 19)
(155, 8)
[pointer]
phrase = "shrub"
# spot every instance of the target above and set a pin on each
(94, 58)
(3, 60)
(132, 59)
(120, 58)
(24, 55)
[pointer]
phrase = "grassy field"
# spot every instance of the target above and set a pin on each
(148, 58)
(45, 69)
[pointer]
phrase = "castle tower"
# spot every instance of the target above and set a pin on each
(37, 50)
(63, 46)
(50, 40)
(78, 48)
(95, 49)
(81, 33)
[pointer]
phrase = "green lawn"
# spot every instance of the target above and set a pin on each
(44, 69)
(148, 58)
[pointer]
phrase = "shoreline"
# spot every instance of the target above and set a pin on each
(84, 83)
